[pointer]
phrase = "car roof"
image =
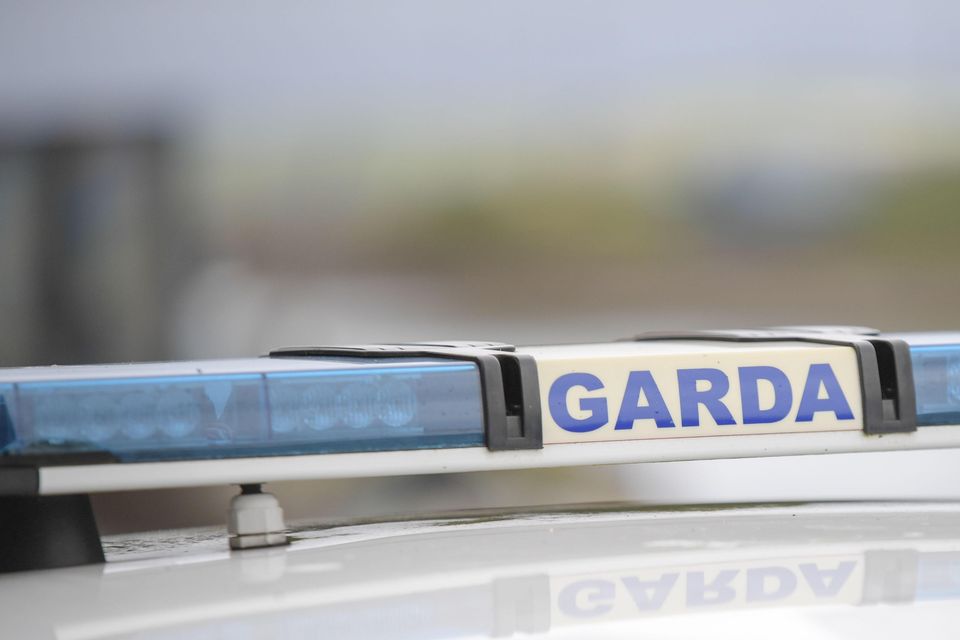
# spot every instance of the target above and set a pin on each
(836, 570)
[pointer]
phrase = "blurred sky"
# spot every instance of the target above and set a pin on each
(353, 107)
(422, 60)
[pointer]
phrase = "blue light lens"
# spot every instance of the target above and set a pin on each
(936, 375)
(138, 414)
(357, 404)
(359, 407)
(7, 435)
(397, 403)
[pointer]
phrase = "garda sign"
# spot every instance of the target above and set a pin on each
(735, 585)
(646, 391)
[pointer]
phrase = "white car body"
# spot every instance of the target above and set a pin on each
(844, 570)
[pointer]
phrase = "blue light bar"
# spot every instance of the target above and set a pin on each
(317, 407)
(936, 374)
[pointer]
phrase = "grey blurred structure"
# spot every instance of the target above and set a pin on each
(92, 249)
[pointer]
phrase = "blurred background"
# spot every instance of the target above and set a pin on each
(190, 180)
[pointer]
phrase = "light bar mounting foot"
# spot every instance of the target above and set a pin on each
(47, 532)
(255, 519)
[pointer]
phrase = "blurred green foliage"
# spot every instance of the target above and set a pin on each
(915, 216)
(535, 222)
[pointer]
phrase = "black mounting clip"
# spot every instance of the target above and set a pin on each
(508, 382)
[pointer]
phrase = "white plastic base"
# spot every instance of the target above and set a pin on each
(195, 473)
(259, 541)
(255, 520)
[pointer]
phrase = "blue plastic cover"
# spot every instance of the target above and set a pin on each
(936, 374)
(938, 575)
(360, 407)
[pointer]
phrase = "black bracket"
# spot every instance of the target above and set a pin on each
(508, 382)
(47, 532)
(886, 372)
(890, 576)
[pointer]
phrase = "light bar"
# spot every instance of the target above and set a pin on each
(936, 372)
(256, 409)
(340, 412)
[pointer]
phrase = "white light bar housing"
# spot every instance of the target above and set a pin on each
(382, 410)
(656, 397)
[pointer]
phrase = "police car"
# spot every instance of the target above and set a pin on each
(381, 410)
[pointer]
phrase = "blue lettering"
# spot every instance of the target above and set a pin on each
(750, 378)
(587, 598)
(770, 583)
(827, 583)
(719, 591)
(655, 409)
(821, 375)
(649, 595)
(691, 398)
(595, 407)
